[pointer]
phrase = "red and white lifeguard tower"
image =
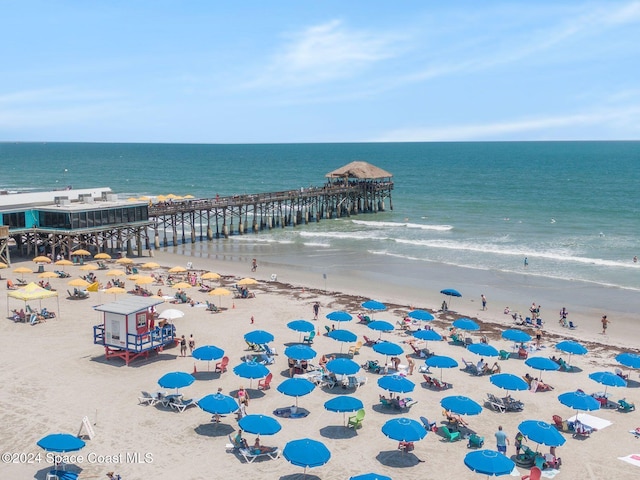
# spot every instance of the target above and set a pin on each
(128, 330)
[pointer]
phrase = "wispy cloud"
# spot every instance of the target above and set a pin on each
(325, 52)
(500, 130)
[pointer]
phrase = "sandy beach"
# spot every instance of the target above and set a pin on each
(54, 376)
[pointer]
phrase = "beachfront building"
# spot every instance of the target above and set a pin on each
(61, 221)
(128, 328)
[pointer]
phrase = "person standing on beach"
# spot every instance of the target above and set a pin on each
(316, 310)
(502, 440)
(183, 346)
(192, 344)
(484, 301)
(526, 262)
(605, 321)
(254, 265)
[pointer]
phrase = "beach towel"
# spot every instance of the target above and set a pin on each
(594, 422)
(549, 472)
(633, 459)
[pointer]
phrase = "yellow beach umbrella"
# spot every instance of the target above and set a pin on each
(210, 276)
(42, 259)
(144, 280)
(181, 285)
(115, 273)
(82, 253)
(220, 292)
(78, 282)
(124, 261)
(172, 196)
(3, 265)
(133, 277)
(144, 198)
(48, 275)
(21, 271)
(177, 269)
(102, 256)
(64, 263)
(161, 198)
(248, 281)
(132, 199)
(188, 196)
(116, 290)
(89, 266)
(150, 265)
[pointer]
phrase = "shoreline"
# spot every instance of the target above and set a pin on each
(583, 300)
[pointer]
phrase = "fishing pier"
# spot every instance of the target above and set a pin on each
(97, 222)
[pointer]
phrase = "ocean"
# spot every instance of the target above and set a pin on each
(570, 208)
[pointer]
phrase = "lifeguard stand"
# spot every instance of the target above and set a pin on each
(128, 330)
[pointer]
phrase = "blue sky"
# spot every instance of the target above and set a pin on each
(310, 71)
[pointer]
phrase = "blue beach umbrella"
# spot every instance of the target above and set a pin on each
(542, 363)
(370, 476)
(427, 335)
(259, 337)
(421, 315)
(572, 348)
(441, 361)
(343, 404)
(396, 383)
(450, 292)
(339, 316)
(508, 381)
(489, 462)
(517, 336)
(628, 359)
(176, 380)
(301, 326)
(61, 443)
(259, 424)
(218, 404)
(461, 405)
(404, 429)
(542, 433)
(251, 370)
(296, 387)
(608, 379)
(306, 453)
(466, 324)
(388, 348)
(208, 353)
(579, 401)
(483, 349)
(381, 326)
(342, 336)
(343, 366)
(374, 305)
(300, 352)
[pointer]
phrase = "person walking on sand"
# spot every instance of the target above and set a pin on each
(484, 301)
(254, 265)
(605, 321)
(316, 310)
(502, 440)
(192, 344)
(252, 320)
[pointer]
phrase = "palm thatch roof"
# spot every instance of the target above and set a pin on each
(360, 170)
